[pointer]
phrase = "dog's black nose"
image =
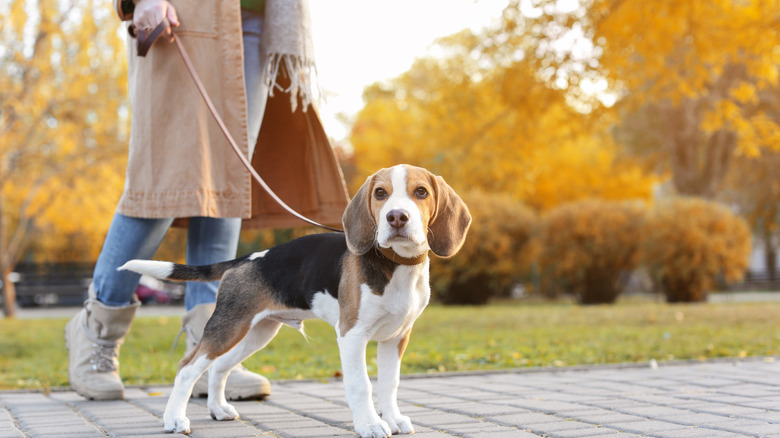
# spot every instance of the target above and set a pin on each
(397, 218)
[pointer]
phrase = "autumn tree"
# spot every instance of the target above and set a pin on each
(480, 114)
(63, 120)
(692, 77)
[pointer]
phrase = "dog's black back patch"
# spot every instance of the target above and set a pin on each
(298, 269)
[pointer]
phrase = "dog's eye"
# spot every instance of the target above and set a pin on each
(380, 193)
(421, 192)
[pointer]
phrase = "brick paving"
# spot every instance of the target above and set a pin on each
(728, 398)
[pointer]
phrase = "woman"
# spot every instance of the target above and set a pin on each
(255, 60)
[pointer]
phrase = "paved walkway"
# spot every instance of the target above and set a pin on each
(713, 399)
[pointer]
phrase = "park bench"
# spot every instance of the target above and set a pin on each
(60, 284)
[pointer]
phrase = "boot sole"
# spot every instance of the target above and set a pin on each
(97, 395)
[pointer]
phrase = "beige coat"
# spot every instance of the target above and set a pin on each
(180, 165)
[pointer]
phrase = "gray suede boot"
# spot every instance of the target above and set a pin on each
(242, 384)
(93, 338)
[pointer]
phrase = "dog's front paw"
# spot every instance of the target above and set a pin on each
(373, 428)
(176, 424)
(223, 412)
(399, 424)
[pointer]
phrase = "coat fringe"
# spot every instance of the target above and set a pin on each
(300, 72)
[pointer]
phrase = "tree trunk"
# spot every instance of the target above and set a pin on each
(9, 294)
(9, 291)
(699, 161)
(770, 254)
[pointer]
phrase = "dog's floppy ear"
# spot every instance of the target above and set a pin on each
(359, 225)
(448, 227)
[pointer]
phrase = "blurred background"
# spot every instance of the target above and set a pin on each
(605, 147)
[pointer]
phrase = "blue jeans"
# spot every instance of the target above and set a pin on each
(209, 240)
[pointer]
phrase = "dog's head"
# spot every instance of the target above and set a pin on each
(408, 209)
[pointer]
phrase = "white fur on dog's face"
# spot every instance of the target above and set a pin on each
(411, 191)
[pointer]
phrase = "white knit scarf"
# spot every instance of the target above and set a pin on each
(287, 41)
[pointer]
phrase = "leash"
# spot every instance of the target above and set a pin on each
(145, 39)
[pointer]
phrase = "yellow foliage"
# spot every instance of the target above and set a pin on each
(709, 68)
(493, 125)
(684, 46)
(744, 93)
(713, 50)
(574, 171)
(62, 133)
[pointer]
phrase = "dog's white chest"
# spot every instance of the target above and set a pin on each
(392, 314)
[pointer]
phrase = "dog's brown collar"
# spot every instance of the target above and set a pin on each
(395, 258)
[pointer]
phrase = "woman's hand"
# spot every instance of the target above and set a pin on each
(149, 13)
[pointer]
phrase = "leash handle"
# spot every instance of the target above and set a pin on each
(145, 40)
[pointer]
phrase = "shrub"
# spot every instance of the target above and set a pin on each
(497, 252)
(587, 245)
(689, 243)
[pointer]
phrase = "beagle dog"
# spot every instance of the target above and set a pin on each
(370, 283)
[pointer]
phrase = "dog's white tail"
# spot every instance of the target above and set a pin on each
(177, 272)
(161, 270)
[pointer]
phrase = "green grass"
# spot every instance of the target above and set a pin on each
(33, 355)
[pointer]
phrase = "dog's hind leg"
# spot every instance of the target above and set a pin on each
(258, 337)
(214, 343)
(175, 417)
